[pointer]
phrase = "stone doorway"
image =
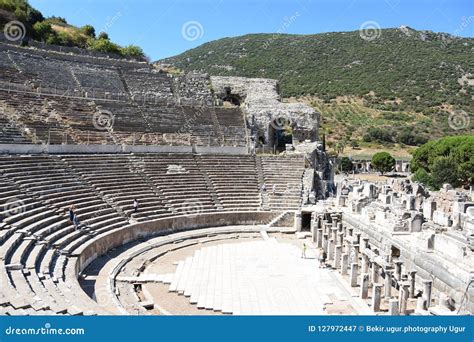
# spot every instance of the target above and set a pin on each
(280, 133)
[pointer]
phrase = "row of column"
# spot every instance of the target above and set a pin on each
(348, 252)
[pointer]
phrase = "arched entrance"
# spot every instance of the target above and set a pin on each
(280, 133)
(233, 99)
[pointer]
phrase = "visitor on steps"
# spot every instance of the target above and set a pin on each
(75, 221)
(264, 187)
(303, 252)
(274, 189)
(71, 213)
(135, 205)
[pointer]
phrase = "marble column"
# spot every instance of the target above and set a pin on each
(427, 285)
(298, 221)
(393, 307)
(412, 284)
(354, 271)
(398, 270)
(365, 263)
(376, 296)
(375, 272)
(337, 256)
(334, 234)
(365, 243)
(388, 284)
(330, 251)
(403, 298)
(357, 239)
(420, 304)
(355, 248)
(344, 263)
(340, 236)
(350, 231)
(319, 241)
(325, 242)
(364, 286)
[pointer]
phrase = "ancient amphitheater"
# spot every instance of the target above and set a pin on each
(221, 225)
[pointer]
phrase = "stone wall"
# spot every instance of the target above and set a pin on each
(103, 243)
(432, 232)
(261, 101)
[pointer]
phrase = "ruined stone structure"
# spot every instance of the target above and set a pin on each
(398, 236)
(264, 110)
(97, 133)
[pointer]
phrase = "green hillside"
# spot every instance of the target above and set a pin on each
(57, 31)
(401, 81)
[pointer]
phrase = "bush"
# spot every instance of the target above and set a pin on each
(378, 135)
(43, 31)
(132, 51)
(103, 35)
(88, 30)
(383, 162)
(395, 116)
(444, 170)
(345, 164)
(455, 153)
(103, 45)
(421, 176)
(409, 138)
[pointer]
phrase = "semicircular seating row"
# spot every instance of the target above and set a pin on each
(37, 238)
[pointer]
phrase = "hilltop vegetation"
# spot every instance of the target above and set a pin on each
(448, 160)
(399, 88)
(56, 30)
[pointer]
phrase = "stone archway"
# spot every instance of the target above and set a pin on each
(280, 133)
(234, 99)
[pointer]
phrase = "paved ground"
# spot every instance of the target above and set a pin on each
(259, 276)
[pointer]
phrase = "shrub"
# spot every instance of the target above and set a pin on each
(455, 153)
(103, 45)
(378, 134)
(345, 164)
(421, 176)
(42, 30)
(132, 51)
(444, 170)
(103, 35)
(383, 162)
(409, 138)
(88, 30)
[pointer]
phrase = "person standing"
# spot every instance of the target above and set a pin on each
(303, 252)
(322, 258)
(75, 221)
(135, 205)
(71, 213)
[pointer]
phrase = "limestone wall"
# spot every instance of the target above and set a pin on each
(262, 104)
(103, 243)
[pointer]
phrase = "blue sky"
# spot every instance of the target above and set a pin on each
(167, 27)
